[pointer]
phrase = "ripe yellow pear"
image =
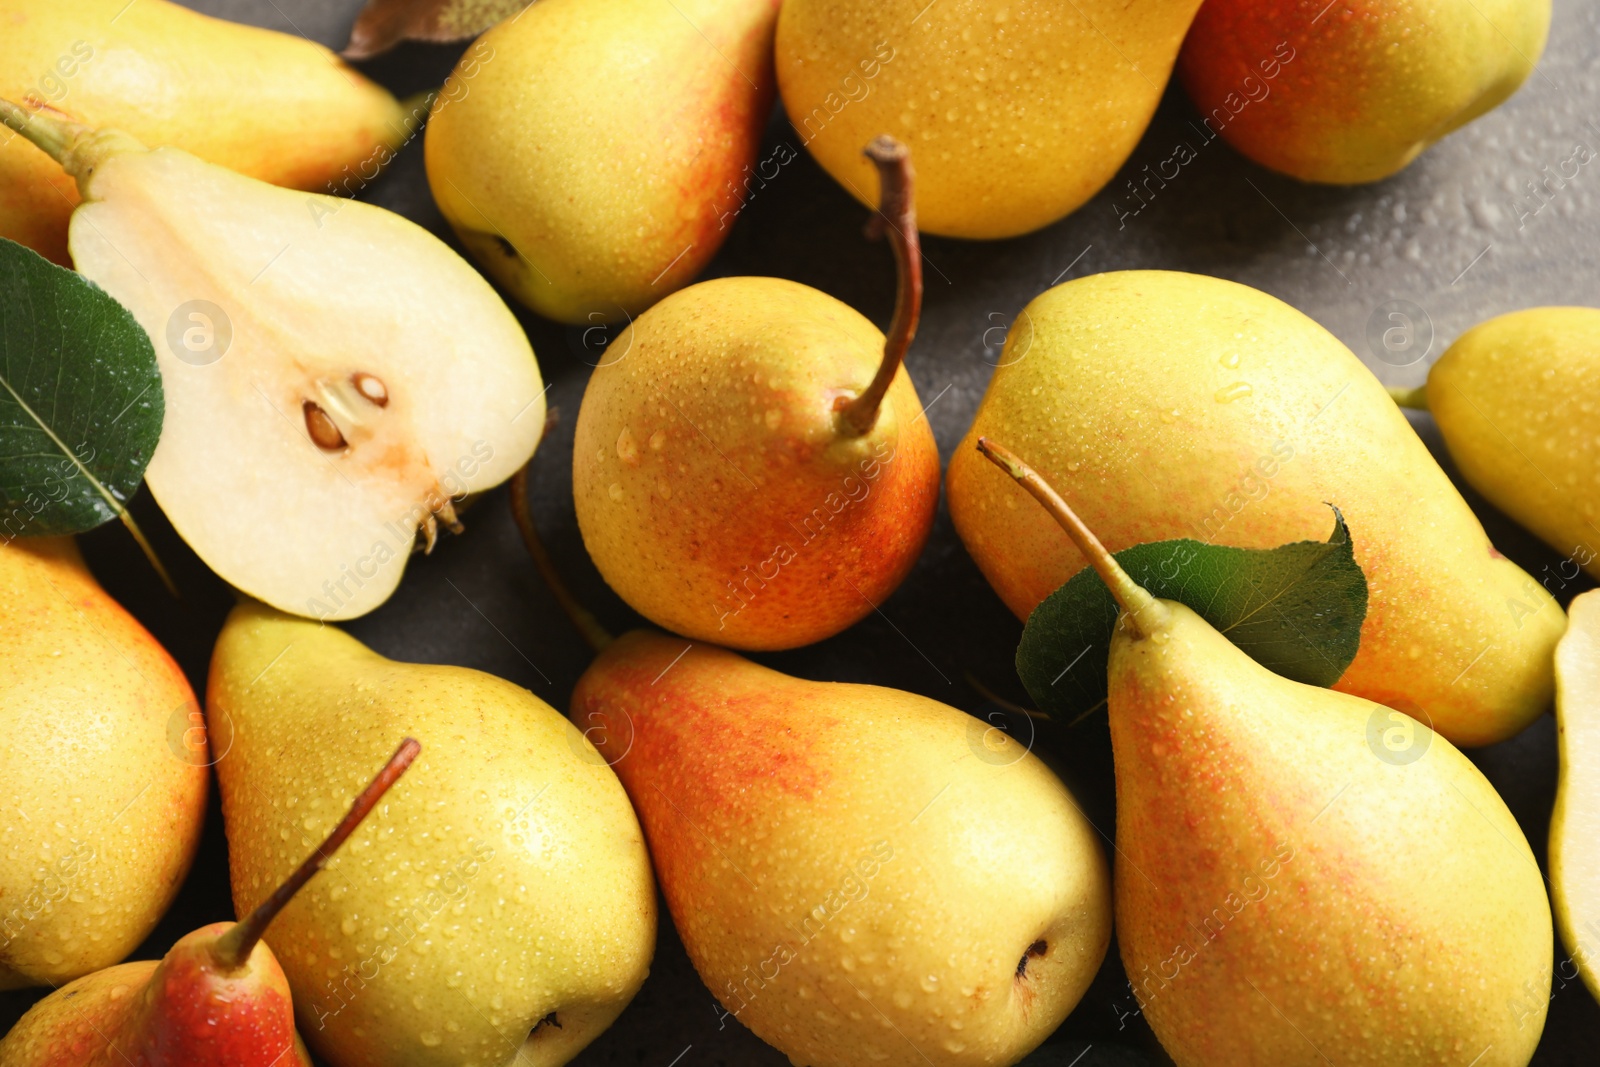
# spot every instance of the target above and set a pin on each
(271, 105)
(1515, 401)
(752, 465)
(1575, 822)
(1017, 112)
(102, 771)
(593, 154)
(1352, 93)
(503, 909)
(860, 875)
(1171, 405)
(763, 532)
(1293, 887)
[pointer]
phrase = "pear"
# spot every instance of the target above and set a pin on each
(1174, 405)
(334, 374)
(1303, 874)
(506, 910)
(1512, 400)
(1018, 114)
(218, 997)
(751, 464)
(860, 875)
(102, 771)
(1575, 822)
(1352, 94)
(271, 105)
(593, 154)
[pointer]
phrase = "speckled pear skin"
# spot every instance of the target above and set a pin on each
(1165, 405)
(271, 105)
(593, 155)
(1292, 891)
(714, 489)
(101, 800)
(1016, 111)
(1354, 92)
(178, 1010)
(1515, 399)
(503, 879)
(860, 875)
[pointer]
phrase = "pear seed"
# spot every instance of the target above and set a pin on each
(324, 432)
(371, 387)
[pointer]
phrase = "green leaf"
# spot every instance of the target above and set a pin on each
(80, 399)
(1296, 609)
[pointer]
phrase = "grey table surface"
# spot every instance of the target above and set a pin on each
(1445, 235)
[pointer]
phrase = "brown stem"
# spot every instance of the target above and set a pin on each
(594, 635)
(1135, 602)
(234, 947)
(897, 217)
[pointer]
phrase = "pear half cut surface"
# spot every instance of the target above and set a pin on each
(1575, 822)
(334, 374)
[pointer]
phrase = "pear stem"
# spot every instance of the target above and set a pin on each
(897, 218)
(596, 636)
(54, 137)
(1416, 398)
(233, 948)
(1132, 597)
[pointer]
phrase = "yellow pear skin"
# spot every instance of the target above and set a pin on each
(1514, 399)
(1354, 93)
(1166, 405)
(102, 771)
(271, 105)
(1017, 113)
(860, 875)
(1575, 822)
(1291, 889)
(593, 154)
(507, 883)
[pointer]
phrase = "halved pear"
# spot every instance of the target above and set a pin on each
(334, 374)
(1575, 822)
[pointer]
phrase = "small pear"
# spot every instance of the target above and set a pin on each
(102, 771)
(1514, 401)
(1176, 405)
(506, 911)
(1304, 877)
(752, 465)
(1019, 113)
(217, 999)
(271, 105)
(860, 875)
(335, 376)
(593, 154)
(1575, 822)
(1353, 93)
